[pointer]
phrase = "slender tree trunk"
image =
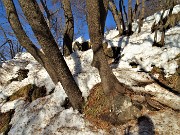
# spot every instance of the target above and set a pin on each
(141, 16)
(122, 17)
(129, 17)
(136, 10)
(47, 12)
(117, 16)
(69, 28)
(124, 9)
(49, 47)
(96, 13)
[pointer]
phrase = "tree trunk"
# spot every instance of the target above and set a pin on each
(24, 39)
(69, 28)
(47, 12)
(141, 16)
(49, 47)
(122, 18)
(96, 13)
(136, 10)
(129, 17)
(117, 16)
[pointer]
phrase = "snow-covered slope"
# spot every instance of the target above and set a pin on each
(46, 116)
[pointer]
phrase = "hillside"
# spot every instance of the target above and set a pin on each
(38, 106)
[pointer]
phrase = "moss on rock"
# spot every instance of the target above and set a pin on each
(29, 92)
(106, 111)
(24, 92)
(5, 119)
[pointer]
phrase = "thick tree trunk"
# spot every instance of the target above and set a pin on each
(96, 12)
(117, 16)
(69, 28)
(49, 46)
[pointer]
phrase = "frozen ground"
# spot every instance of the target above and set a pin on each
(46, 116)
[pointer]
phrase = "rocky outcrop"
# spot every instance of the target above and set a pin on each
(172, 82)
(29, 92)
(81, 46)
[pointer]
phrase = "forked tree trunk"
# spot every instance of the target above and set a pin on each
(50, 49)
(117, 16)
(69, 28)
(96, 13)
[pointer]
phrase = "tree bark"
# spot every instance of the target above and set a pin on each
(141, 16)
(136, 10)
(47, 12)
(24, 39)
(117, 16)
(49, 47)
(122, 18)
(129, 17)
(69, 28)
(96, 13)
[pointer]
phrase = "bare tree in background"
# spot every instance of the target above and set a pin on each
(69, 28)
(141, 16)
(9, 47)
(117, 16)
(129, 17)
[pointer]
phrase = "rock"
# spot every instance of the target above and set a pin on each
(29, 92)
(22, 74)
(38, 92)
(76, 46)
(124, 109)
(5, 119)
(84, 46)
(24, 92)
(108, 111)
(173, 81)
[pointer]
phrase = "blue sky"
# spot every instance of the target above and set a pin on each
(109, 21)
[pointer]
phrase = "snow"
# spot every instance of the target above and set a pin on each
(138, 47)
(46, 116)
(80, 40)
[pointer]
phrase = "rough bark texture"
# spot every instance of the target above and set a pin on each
(136, 10)
(121, 12)
(96, 12)
(69, 28)
(47, 12)
(49, 47)
(117, 16)
(142, 16)
(24, 39)
(129, 17)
